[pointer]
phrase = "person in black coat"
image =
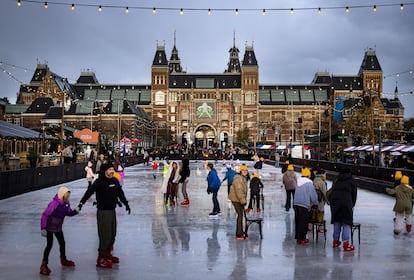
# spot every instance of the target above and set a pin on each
(342, 198)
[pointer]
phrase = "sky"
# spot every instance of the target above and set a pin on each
(290, 48)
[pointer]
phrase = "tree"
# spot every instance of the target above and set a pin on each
(242, 135)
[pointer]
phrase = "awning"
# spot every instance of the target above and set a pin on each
(281, 147)
(265, 147)
(387, 148)
(8, 130)
(87, 136)
(398, 148)
(363, 148)
(350, 148)
(408, 149)
(307, 147)
(259, 146)
(272, 147)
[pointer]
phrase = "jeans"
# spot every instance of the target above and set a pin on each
(216, 206)
(346, 231)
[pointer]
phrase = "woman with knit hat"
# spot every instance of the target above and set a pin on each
(51, 224)
(403, 208)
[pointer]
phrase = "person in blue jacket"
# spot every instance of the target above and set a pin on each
(213, 186)
(229, 177)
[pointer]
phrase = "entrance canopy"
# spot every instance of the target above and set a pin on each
(8, 130)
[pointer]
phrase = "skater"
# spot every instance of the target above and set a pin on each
(238, 196)
(342, 198)
(90, 175)
(255, 187)
(184, 178)
(51, 224)
(320, 186)
(108, 190)
(213, 187)
(230, 173)
(290, 182)
(119, 174)
(155, 168)
(305, 197)
(170, 184)
(403, 207)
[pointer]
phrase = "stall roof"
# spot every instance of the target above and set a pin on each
(8, 130)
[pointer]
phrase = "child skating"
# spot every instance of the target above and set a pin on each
(51, 224)
(403, 206)
(255, 186)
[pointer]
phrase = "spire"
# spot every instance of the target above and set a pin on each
(370, 62)
(233, 66)
(396, 90)
(175, 62)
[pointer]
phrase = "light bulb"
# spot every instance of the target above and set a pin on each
(291, 11)
(73, 7)
(126, 10)
(264, 12)
(154, 11)
(46, 5)
(19, 4)
(100, 8)
(181, 11)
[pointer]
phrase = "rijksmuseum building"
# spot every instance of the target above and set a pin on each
(214, 109)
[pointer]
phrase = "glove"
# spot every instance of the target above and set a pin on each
(128, 209)
(44, 233)
(77, 209)
(119, 203)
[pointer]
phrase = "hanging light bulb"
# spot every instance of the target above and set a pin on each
(375, 8)
(264, 12)
(319, 11)
(19, 4)
(73, 7)
(100, 8)
(181, 11)
(154, 11)
(236, 12)
(402, 7)
(347, 9)
(209, 11)
(46, 5)
(126, 10)
(291, 11)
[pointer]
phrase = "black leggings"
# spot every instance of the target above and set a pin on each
(60, 238)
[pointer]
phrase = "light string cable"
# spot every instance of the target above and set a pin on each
(181, 10)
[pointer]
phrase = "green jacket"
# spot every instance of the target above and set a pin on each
(404, 195)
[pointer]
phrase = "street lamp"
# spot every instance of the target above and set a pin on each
(343, 140)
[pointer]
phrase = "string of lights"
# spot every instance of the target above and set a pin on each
(410, 71)
(209, 11)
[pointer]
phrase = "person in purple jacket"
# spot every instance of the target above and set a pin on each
(51, 223)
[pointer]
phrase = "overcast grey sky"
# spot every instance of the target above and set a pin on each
(290, 48)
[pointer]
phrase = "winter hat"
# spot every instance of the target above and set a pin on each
(290, 167)
(261, 159)
(306, 172)
(61, 192)
(243, 167)
(405, 180)
(106, 166)
(287, 162)
(398, 175)
(255, 175)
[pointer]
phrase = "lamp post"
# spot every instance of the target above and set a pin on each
(319, 131)
(343, 144)
(61, 125)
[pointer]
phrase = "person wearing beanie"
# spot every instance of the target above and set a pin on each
(320, 186)
(343, 196)
(51, 224)
(305, 197)
(285, 166)
(108, 190)
(238, 196)
(290, 182)
(397, 178)
(256, 186)
(403, 206)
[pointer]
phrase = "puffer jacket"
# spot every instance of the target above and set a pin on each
(55, 213)
(290, 180)
(343, 198)
(404, 195)
(238, 191)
